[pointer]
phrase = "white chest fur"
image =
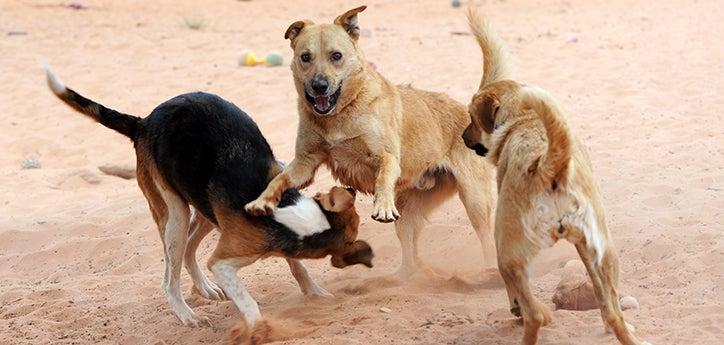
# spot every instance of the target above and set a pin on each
(305, 217)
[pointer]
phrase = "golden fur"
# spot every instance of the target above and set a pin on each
(399, 143)
(546, 192)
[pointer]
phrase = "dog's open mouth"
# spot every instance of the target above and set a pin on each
(323, 105)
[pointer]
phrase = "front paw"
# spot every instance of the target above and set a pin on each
(385, 212)
(260, 207)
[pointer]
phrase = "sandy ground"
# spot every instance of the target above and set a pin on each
(80, 259)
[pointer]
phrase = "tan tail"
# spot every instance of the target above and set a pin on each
(554, 166)
(495, 54)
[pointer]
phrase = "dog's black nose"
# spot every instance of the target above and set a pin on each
(320, 85)
(480, 150)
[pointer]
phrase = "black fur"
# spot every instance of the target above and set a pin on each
(121, 123)
(209, 151)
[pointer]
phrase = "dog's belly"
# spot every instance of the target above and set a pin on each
(353, 164)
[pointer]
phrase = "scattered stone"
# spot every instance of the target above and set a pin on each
(17, 33)
(575, 290)
(124, 172)
(31, 163)
(571, 38)
(89, 177)
(76, 5)
(385, 310)
(628, 302)
(456, 3)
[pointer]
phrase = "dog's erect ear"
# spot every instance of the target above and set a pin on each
(294, 29)
(484, 108)
(337, 200)
(348, 21)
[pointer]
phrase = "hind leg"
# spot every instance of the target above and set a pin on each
(513, 261)
(415, 205)
(308, 286)
(475, 188)
(200, 227)
(604, 275)
(175, 236)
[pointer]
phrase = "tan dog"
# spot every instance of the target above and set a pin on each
(400, 143)
(546, 189)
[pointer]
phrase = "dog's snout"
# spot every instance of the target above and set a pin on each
(320, 85)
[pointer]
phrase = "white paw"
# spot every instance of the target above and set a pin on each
(385, 212)
(192, 320)
(209, 290)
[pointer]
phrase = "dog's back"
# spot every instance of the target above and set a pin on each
(207, 149)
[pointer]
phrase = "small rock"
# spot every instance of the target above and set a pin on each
(124, 172)
(31, 163)
(628, 302)
(89, 177)
(455, 3)
(575, 290)
(571, 38)
(385, 310)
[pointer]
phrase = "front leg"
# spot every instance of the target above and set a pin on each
(299, 173)
(385, 210)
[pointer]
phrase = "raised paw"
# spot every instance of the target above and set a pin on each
(209, 290)
(260, 207)
(385, 213)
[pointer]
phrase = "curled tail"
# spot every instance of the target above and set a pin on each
(495, 54)
(554, 165)
(125, 124)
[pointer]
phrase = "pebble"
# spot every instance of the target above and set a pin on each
(629, 302)
(124, 172)
(31, 163)
(385, 310)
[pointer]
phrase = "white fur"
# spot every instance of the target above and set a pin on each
(174, 240)
(565, 208)
(305, 217)
(54, 82)
(225, 274)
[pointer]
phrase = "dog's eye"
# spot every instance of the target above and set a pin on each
(336, 56)
(305, 57)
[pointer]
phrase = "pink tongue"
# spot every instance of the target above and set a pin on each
(322, 102)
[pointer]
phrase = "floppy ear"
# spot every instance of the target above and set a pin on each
(484, 108)
(348, 21)
(294, 29)
(337, 200)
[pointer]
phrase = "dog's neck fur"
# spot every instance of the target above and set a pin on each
(502, 133)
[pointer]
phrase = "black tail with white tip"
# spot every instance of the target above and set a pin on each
(125, 124)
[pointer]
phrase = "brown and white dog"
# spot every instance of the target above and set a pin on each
(399, 143)
(546, 189)
(199, 150)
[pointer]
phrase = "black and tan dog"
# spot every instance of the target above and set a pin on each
(546, 189)
(399, 143)
(199, 150)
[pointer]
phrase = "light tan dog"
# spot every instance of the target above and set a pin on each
(400, 143)
(546, 189)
